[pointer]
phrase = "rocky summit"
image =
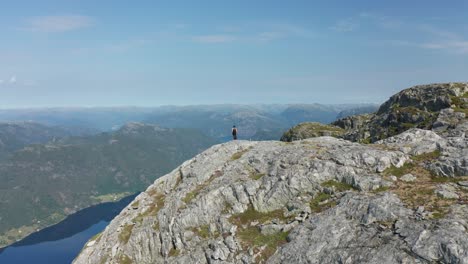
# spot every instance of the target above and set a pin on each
(320, 200)
(311, 129)
(401, 199)
(438, 107)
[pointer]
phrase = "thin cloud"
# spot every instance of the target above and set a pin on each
(220, 38)
(1, 82)
(438, 32)
(454, 46)
(432, 37)
(280, 31)
(230, 29)
(293, 30)
(13, 79)
(57, 24)
(270, 36)
(181, 26)
(346, 25)
(438, 39)
(261, 34)
(129, 45)
(460, 47)
(441, 39)
(363, 19)
(386, 22)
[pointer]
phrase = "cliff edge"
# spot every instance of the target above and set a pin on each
(320, 200)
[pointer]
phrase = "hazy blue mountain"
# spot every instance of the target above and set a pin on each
(365, 109)
(269, 134)
(92, 118)
(212, 120)
(295, 114)
(16, 135)
(216, 121)
(43, 183)
(259, 122)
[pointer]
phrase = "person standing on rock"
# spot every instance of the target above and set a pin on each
(234, 133)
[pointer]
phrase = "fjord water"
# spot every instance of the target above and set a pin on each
(61, 243)
(59, 251)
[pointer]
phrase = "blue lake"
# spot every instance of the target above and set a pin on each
(59, 251)
(61, 243)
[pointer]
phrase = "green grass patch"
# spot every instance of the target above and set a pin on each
(256, 176)
(407, 126)
(459, 85)
(227, 208)
(426, 192)
(251, 237)
(110, 197)
(191, 195)
(339, 186)
(408, 109)
(427, 156)
(96, 237)
(365, 141)
(443, 179)
(250, 215)
(398, 172)
(381, 189)
(461, 110)
(139, 218)
(310, 130)
(318, 204)
(458, 100)
(179, 180)
(387, 224)
(174, 252)
(135, 204)
(438, 215)
(155, 226)
(202, 231)
(124, 259)
(126, 233)
(158, 203)
(239, 154)
(104, 259)
(459, 104)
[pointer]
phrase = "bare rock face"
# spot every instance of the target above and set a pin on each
(319, 200)
(415, 141)
(375, 229)
(439, 107)
(310, 130)
(450, 151)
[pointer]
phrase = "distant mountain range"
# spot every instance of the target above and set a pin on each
(42, 183)
(97, 119)
(50, 171)
(398, 196)
(16, 135)
(259, 122)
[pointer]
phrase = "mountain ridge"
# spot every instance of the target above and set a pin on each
(403, 199)
(18, 134)
(43, 183)
(213, 210)
(439, 107)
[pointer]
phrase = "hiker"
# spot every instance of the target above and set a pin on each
(234, 132)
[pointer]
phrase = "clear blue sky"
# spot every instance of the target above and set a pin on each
(147, 53)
